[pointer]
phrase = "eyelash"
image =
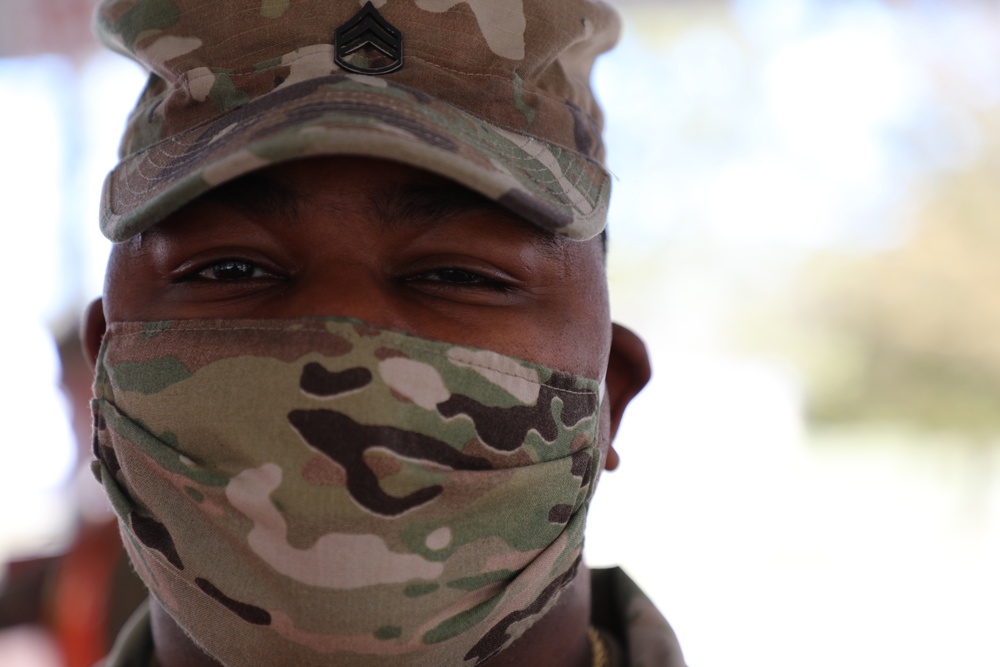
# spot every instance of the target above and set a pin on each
(254, 267)
(479, 281)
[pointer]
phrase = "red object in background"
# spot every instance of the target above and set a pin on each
(82, 595)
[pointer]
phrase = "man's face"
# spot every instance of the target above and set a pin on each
(378, 241)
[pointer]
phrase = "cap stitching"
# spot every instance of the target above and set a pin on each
(386, 101)
(523, 164)
(390, 103)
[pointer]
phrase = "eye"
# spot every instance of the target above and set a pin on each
(457, 278)
(228, 270)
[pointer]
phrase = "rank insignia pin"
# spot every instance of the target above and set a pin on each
(368, 44)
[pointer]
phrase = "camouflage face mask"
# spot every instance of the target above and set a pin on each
(318, 491)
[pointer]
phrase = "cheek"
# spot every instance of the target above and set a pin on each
(568, 337)
(586, 335)
(116, 293)
(130, 283)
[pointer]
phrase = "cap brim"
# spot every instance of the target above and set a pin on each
(550, 186)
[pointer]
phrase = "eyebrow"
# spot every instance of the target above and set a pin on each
(398, 204)
(426, 204)
(256, 196)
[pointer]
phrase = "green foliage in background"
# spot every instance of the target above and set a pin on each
(911, 335)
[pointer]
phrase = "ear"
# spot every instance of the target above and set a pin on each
(628, 373)
(92, 333)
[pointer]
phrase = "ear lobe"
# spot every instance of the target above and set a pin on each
(628, 373)
(92, 332)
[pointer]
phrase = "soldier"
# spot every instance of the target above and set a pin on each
(356, 377)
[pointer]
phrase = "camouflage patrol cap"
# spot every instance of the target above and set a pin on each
(492, 94)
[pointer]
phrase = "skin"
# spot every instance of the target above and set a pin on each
(401, 249)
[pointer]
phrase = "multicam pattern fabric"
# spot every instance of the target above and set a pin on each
(492, 94)
(637, 633)
(296, 490)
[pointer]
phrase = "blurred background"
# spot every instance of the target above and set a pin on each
(805, 230)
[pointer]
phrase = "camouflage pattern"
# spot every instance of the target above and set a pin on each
(296, 491)
(635, 633)
(493, 94)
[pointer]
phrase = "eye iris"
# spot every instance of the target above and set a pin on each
(232, 270)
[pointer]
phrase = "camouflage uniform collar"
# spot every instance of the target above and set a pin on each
(134, 645)
(620, 609)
